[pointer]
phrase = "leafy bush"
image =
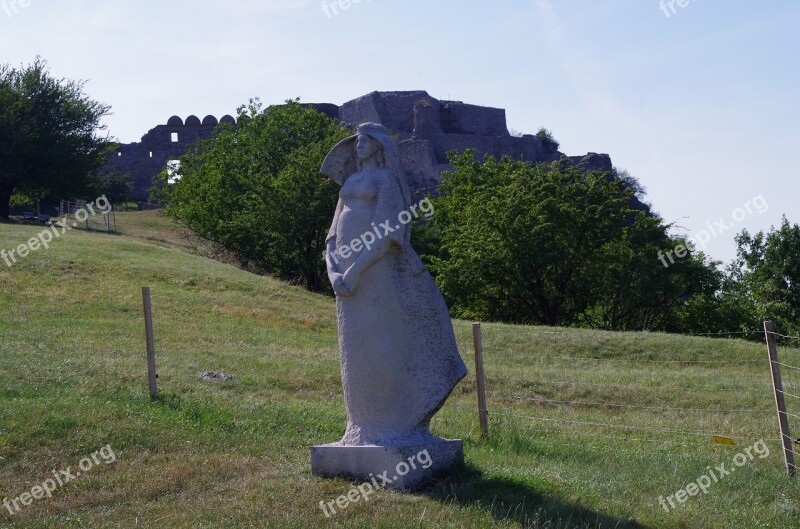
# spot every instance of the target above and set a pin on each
(255, 190)
(550, 143)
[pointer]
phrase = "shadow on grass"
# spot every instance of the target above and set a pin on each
(513, 501)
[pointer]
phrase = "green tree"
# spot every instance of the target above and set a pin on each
(760, 284)
(554, 245)
(630, 181)
(49, 135)
(634, 290)
(115, 185)
(255, 190)
(767, 271)
(728, 308)
(518, 241)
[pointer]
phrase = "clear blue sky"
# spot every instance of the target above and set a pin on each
(701, 105)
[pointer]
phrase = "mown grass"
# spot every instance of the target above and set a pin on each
(236, 454)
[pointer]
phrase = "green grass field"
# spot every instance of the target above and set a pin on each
(588, 429)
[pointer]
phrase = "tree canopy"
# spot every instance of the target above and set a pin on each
(50, 134)
(554, 245)
(255, 189)
(768, 272)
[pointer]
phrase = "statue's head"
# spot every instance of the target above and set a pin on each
(372, 142)
(367, 149)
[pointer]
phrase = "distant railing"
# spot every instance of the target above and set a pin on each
(80, 214)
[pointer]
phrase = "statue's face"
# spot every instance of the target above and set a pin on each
(366, 147)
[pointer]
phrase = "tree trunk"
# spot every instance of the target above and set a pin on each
(313, 282)
(5, 202)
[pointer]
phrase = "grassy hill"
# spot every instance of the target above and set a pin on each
(588, 428)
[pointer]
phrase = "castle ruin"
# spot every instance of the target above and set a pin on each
(145, 159)
(426, 129)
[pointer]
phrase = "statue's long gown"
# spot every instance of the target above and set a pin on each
(398, 351)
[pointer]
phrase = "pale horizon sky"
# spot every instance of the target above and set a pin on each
(700, 105)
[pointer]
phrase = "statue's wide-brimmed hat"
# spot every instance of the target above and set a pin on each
(342, 161)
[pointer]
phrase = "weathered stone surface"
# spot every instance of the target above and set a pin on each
(592, 162)
(330, 110)
(399, 358)
(425, 127)
(408, 467)
(145, 159)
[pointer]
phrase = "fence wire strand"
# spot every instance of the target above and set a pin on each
(747, 436)
(654, 408)
(785, 365)
(784, 336)
(789, 414)
(787, 394)
(648, 360)
(724, 333)
(633, 387)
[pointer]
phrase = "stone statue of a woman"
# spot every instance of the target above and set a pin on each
(399, 358)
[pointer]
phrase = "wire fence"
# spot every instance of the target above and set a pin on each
(83, 215)
(643, 397)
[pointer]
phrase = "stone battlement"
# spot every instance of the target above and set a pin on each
(426, 129)
(143, 160)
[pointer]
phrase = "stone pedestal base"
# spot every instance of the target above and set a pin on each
(398, 468)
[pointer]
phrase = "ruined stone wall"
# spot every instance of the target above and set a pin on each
(143, 160)
(426, 129)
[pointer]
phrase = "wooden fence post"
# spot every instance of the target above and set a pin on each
(780, 403)
(151, 349)
(481, 381)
